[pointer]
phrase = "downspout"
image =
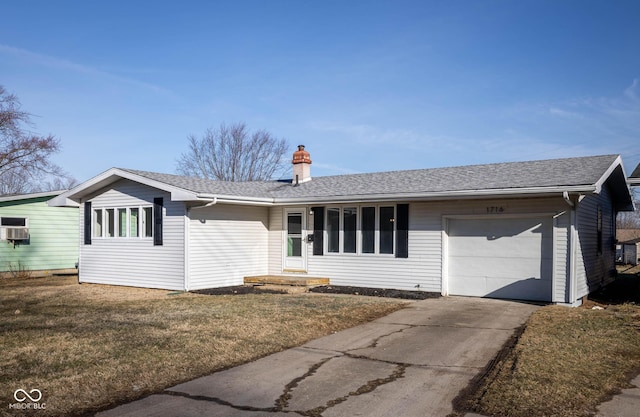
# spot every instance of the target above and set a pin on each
(186, 233)
(572, 248)
(209, 204)
(565, 195)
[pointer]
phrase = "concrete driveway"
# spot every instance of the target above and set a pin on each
(413, 362)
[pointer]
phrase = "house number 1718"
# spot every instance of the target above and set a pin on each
(495, 209)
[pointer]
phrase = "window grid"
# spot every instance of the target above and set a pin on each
(360, 230)
(122, 222)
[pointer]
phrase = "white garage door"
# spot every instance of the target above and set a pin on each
(501, 258)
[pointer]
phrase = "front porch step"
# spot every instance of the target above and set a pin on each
(286, 280)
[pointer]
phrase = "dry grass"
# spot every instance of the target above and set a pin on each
(88, 347)
(566, 362)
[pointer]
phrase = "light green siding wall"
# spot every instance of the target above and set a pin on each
(53, 241)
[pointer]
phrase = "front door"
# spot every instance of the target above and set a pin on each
(295, 250)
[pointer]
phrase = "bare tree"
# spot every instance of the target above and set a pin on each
(232, 153)
(58, 183)
(12, 182)
(629, 219)
(23, 155)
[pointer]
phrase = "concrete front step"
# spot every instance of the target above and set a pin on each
(286, 280)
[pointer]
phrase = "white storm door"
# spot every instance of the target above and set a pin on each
(295, 249)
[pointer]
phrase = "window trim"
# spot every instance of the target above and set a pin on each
(142, 222)
(25, 218)
(359, 230)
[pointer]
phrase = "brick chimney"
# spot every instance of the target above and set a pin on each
(301, 166)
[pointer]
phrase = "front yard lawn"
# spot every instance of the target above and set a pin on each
(90, 347)
(568, 360)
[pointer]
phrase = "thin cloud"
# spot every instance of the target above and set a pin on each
(369, 134)
(335, 169)
(66, 65)
(631, 91)
(554, 111)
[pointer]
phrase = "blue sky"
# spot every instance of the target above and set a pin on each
(365, 85)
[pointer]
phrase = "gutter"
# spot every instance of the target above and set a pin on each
(232, 199)
(445, 195)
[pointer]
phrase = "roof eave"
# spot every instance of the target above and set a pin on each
(619, 184)
(75, 195)
(19, 197)
(444, 195)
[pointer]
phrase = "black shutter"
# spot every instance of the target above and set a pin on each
(318, 230)
(157, 221)
(87, 223)
(402, 231)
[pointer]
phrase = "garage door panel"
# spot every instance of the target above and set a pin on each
(471, 247)
(501, 258)
(497, 227)
(521, 268)
(534, 289)
(493, 288)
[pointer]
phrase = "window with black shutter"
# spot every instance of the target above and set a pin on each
(318, 230)
(402, 231)
(87, 223)
(157, 221)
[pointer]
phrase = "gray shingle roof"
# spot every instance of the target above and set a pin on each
(257, 189)
(568, 172)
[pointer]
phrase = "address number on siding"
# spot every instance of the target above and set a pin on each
(495, 209)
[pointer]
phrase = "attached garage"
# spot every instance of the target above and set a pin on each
(501, 258)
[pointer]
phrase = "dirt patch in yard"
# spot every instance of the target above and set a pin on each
(375, 292)
(324, 289)
(239, 290)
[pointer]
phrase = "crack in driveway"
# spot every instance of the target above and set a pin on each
(283, 401)
(219, 401)
(363, 389)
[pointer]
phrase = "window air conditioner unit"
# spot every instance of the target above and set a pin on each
(17, 233)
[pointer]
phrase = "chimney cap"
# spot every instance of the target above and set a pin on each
(301, 156)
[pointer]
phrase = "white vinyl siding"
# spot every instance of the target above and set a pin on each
(135, 262)
(420, 271)
(594, 268)
(423, 268)
(562, 270)
(275, 246)
(377, 271)
(227, 243)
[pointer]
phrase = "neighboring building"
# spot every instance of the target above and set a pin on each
(539, 230)
(634, 178)
(35, 238)
(628, 242)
